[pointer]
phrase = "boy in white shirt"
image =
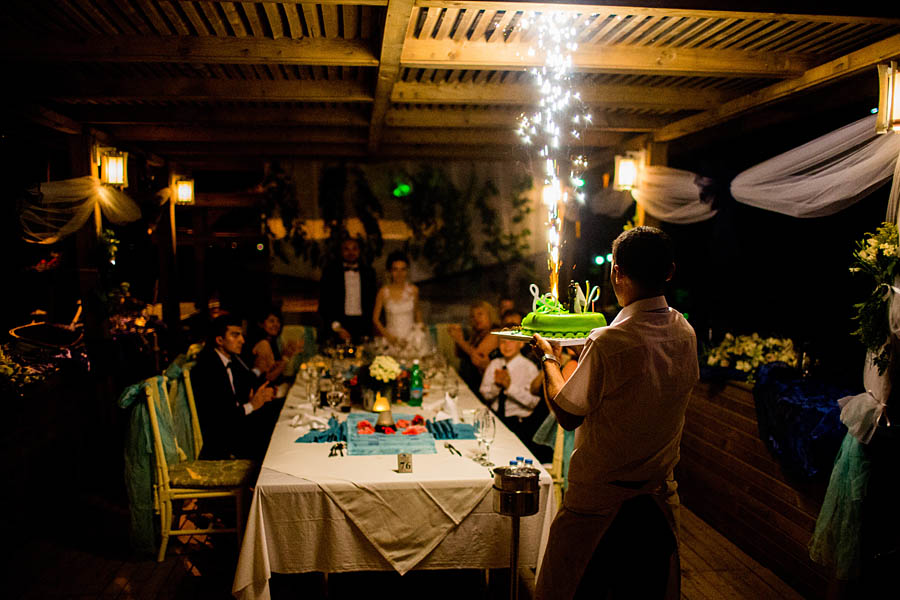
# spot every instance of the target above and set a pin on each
(506, 386)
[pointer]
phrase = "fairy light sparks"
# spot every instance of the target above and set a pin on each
(554, 129)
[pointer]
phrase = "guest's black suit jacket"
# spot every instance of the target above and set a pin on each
(227, 431)
(331, 300)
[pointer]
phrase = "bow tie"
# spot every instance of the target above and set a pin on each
(228, 365)
(351, 266)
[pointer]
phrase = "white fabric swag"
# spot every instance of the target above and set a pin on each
(671, 195)
(66, 205)
(823, 176)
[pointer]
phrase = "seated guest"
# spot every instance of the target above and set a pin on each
(506, 386)
(229, 405)
(506, 305)
(347, 296)
(266, 353)
(512, 318)
(474, 353)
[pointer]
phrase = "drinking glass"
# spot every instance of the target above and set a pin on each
(488, 426)
(334, 398)
(312, 390)
(451, 385)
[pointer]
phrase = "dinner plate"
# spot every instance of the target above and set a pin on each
(523, 337)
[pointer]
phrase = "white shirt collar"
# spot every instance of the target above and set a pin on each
(223, 356)
(644, 305)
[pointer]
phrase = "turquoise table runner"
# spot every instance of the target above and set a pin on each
(385, 443)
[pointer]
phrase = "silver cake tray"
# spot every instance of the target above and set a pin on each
(524, 337)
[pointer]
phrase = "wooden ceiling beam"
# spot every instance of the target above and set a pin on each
(185, 152)
(502, 118)
(435, 54)
(228, 134)
(183, 49)
(186, 89)
(587, 8)
(396, 23)
(501, 137)
(345, 115)
(845, 66)
(523, 94)
(51, 119)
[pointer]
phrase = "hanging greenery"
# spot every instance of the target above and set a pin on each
(439, 216)
(511, 244)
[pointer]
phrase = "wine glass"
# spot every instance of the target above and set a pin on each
(488, 426)
(451, 385)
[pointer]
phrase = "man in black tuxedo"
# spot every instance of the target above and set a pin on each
(347, 296)
(230, 406)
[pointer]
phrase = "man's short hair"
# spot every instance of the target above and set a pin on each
(645, 255)
(220, 325)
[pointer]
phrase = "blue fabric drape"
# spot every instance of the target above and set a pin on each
(799, 419)
(184, 431)
(139, 464)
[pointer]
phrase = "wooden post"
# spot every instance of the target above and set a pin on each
(80, 146)
(201, 294)
(168, 273)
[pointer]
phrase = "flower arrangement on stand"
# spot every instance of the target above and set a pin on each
(379, 377)
(746, 353)
(877, 255)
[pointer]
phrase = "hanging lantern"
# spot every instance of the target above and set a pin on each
(184, 191)
(627, 171)
(114, 167)
(888, 98)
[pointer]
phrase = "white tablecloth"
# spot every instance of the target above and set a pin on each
(311, 512)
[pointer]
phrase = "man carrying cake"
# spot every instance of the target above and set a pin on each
(616, 529)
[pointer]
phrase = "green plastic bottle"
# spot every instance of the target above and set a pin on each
(416, 386)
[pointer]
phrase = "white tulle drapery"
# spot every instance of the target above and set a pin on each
(610, 203)
(671, 195)
(64, 206)
(823, 176)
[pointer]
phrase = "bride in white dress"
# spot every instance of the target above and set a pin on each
(399, 300)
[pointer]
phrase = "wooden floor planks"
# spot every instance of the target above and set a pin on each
(84, 564)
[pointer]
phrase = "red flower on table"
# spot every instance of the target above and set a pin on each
(418, 420)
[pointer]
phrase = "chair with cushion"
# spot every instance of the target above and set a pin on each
(176, 480)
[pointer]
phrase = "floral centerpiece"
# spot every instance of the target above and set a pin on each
(746, 353)
(380, 376)
(877, 256)
(384, 369)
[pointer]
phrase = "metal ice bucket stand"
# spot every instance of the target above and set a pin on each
(516, 495)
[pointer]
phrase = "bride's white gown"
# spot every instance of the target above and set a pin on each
(400, 314)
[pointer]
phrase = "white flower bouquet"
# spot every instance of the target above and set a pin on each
(747, 353)
(384, 369)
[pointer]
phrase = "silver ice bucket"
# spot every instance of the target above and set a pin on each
(516, 491)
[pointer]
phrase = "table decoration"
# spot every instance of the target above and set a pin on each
(739, 357)
(364, 440)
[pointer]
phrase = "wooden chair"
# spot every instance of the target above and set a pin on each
(188, 480)
(195, 422)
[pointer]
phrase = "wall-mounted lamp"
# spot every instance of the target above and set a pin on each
(113, 167)
(628, 169)
(888, 118)
(184, 191)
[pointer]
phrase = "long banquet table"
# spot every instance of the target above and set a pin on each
(312, 512)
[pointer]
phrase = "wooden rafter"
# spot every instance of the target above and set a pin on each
(628, 96)
(396, 22)
(231, 134)
(436, 54)
(336, 116)
(503, 118)
(200, 50)
(831, 71)
(100, 90)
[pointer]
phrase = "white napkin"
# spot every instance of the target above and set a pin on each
(451, 407)
(310, 422)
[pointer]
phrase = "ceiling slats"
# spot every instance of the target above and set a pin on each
(460, 68)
